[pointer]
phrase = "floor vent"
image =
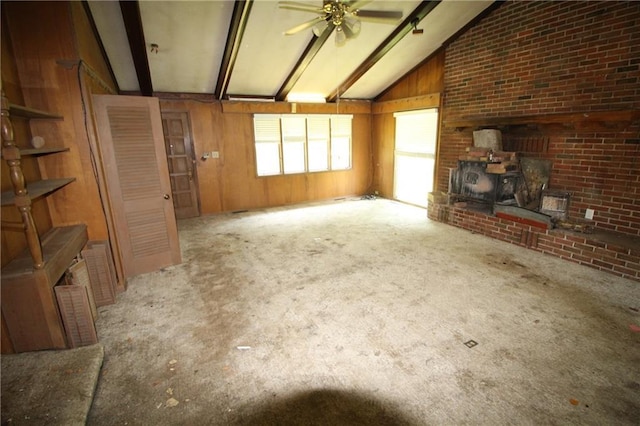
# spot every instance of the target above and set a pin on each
(101, 269)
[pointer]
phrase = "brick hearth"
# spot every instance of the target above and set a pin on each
(616, 253)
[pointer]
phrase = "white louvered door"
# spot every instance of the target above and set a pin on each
(131, 145)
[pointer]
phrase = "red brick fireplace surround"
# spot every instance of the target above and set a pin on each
(561, 80)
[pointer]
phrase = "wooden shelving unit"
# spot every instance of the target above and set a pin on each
(29, 305)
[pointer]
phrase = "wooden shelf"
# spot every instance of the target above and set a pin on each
(26, 152)
(30, 313)
(41, 151)
(37, 189)
(59, 247)
(26, 112)
(581, 118)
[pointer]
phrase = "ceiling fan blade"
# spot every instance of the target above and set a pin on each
(357, 4)
(379, 15)
(310, 23)
(302, 7)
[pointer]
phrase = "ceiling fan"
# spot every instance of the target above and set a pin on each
(342, 15)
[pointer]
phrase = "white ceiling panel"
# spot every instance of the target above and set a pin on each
(190, 36)
(266, 55)
(443, 22)
(108, 19)
(332, 65)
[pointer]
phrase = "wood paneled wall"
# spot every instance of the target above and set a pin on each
(89, 49)
(383, 130)
(47, 42)
(421, 88)
(14, 242)
(425, 79)
(230, 183)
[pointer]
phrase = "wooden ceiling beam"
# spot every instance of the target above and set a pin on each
(309, 53)
(239, 19)
(422, 10)
(133, 24)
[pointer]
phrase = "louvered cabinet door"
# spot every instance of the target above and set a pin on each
(132, 151)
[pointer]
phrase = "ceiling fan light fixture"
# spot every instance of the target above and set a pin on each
(351, 27)
(319, 28)
(343, 15)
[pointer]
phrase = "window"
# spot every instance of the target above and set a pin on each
(340, 142)
(267, 137)
(415, 155)
(318, 137)
(294, 132)
(295, 143)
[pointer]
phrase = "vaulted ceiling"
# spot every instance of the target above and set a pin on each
(238, 49)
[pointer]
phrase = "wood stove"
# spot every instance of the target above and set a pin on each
(472, 182)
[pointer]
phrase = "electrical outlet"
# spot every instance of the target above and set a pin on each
(588, 214)
(215, 154)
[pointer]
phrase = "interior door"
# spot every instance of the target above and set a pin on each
(131, 146)
(181, 160)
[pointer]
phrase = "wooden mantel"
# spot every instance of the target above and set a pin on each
(573, 120)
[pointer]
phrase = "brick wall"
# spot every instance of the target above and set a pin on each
(533, 58)
(614, 257)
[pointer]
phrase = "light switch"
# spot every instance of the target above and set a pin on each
(588, 214)
(215, 154)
